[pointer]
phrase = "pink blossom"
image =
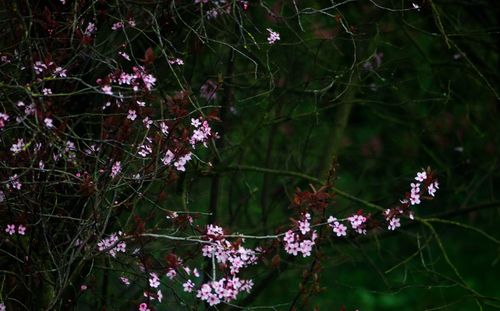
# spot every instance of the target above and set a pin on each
(337, 227)
(394, 223)
(306, 247)
(195, 122)
(11, 229)
(171, 273)
(304, 225)
(60, 72)
(116, 169)
(196, 273)
(91, 29)
(112, 245)
(46, 91)
(273, 36)
(124, 55)
(421, 176)
(176, 61)
(48, 123)
(5, 59)
(107, 89)
(39, 67)
(182, 161)
(201, 134)
(357, 222)
(433, 188)
(132, 115)
(3, 119)
(21, 230)
(147, 122)
(14, 182)
(117, 25)
(125, 280)
(17, 147)
(145, 150)
(188, 286)
(154, 280)
(164, 128)
(415, 199)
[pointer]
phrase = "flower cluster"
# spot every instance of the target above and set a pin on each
(42, 68)
(176, 61)
(225, 289)
(424, 187)
(138, 79)
(154, 280)
(358, 222)
(302, 241)
(116, 169)
(273, 36)
(232, 257)
(202, 132)
(112, 244)
(11, 229)
(121, 24)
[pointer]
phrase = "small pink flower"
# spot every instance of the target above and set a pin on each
(91, 28)
(176, 61)
(171, 273)
(147, 122)
(188, 286)
(107, 90)
(154, 280)
(21, 230)
(117, 25)
(394, 223)
(433, 188)
(415, 199)
(116, 169)
(132, 115)
(48, 123)
(195, 122)
(273, 36)
(60, 72)
(14, 182)
(159, 294)
(18, 147)
(125, 280)
(11, 229)
(421, 176)
(124, 55)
